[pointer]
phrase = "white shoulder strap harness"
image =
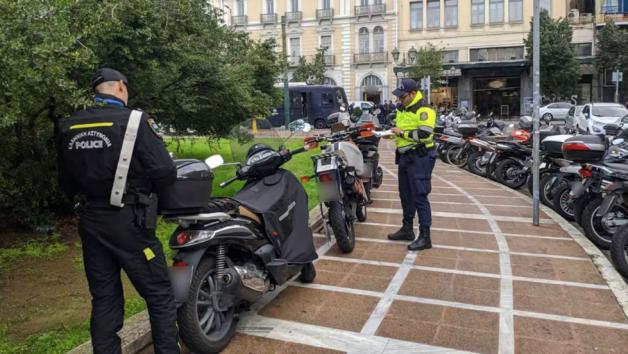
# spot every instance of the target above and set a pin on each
(122, 171)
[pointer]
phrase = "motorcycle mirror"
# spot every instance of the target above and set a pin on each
(296, 125)
(214, 161)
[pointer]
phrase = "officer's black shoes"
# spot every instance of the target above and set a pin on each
(423, 242)
(403, 234)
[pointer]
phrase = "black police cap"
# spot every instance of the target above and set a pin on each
(108, 74)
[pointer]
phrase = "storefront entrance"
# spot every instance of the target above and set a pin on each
(502, 96)
(445, 98)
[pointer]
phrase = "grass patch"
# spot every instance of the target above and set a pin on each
(232, 151)
(40, 248)
(60, 340)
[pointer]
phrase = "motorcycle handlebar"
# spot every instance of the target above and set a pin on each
(228, 182)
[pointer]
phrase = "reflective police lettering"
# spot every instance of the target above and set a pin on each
(91, 144)
(78, 143)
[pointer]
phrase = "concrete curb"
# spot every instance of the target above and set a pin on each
(136, 333)
(135, 336)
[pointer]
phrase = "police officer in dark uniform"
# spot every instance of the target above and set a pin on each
(416, 156)
(114, 237)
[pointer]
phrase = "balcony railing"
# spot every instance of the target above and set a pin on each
(268, 18)
(295, 16)
(370, 10)
(325, 14)
(582, 19)
(370, 58)
(239, 20)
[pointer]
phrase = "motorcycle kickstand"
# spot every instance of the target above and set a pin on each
(325, 222)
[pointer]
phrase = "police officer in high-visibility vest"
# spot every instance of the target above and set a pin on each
(416, 157)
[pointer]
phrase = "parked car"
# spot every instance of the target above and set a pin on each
(555, 111)
(312, 103)
(573, 117)
(596, 115)
(363, 105)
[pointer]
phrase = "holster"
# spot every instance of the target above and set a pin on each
(146, 211)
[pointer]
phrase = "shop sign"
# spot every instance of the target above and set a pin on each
(451, 72)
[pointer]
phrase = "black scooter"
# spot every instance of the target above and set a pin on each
(238, 249)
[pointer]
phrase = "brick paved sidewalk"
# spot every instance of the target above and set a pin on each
(492, 283)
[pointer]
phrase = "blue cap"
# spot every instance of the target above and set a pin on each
(406, 86)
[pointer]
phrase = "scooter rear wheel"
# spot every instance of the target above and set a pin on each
(204, 329)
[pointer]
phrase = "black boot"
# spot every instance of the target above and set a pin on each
(422, 242)
(403, 234)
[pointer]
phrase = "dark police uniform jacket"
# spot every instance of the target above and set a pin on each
(90, 143)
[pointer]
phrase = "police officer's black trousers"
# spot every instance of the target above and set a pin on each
(415, 184)
(111, 242)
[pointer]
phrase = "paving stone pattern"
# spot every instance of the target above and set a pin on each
(488, 285)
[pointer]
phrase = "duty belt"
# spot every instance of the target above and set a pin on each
(421, 149)
(129, 199)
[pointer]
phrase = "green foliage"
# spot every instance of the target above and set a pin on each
(313, 73)
(611, 50)
(185, 67)
(560, 71)
(429, 62)
(44, 248)
(61, 340)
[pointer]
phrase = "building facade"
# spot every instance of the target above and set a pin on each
(482, 42)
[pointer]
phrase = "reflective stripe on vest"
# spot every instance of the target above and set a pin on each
(407, 120)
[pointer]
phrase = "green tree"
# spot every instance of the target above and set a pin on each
(611, 50)
(314, 72)
(185, 67)
(560, 71)
(429, 62)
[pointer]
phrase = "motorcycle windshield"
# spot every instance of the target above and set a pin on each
(282, 202)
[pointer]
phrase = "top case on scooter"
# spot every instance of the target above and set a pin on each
(552, 145)
(282, 202)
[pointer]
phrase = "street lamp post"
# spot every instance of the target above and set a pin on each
(395, 55)
(412, 55)
(536, 67)
(286, 94)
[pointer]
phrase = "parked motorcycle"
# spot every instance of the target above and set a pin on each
(231, 251)
(603, 170)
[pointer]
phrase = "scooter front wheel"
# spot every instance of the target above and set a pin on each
(342, 225)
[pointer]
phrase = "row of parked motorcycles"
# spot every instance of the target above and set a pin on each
(584, 178)
(232, 251)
